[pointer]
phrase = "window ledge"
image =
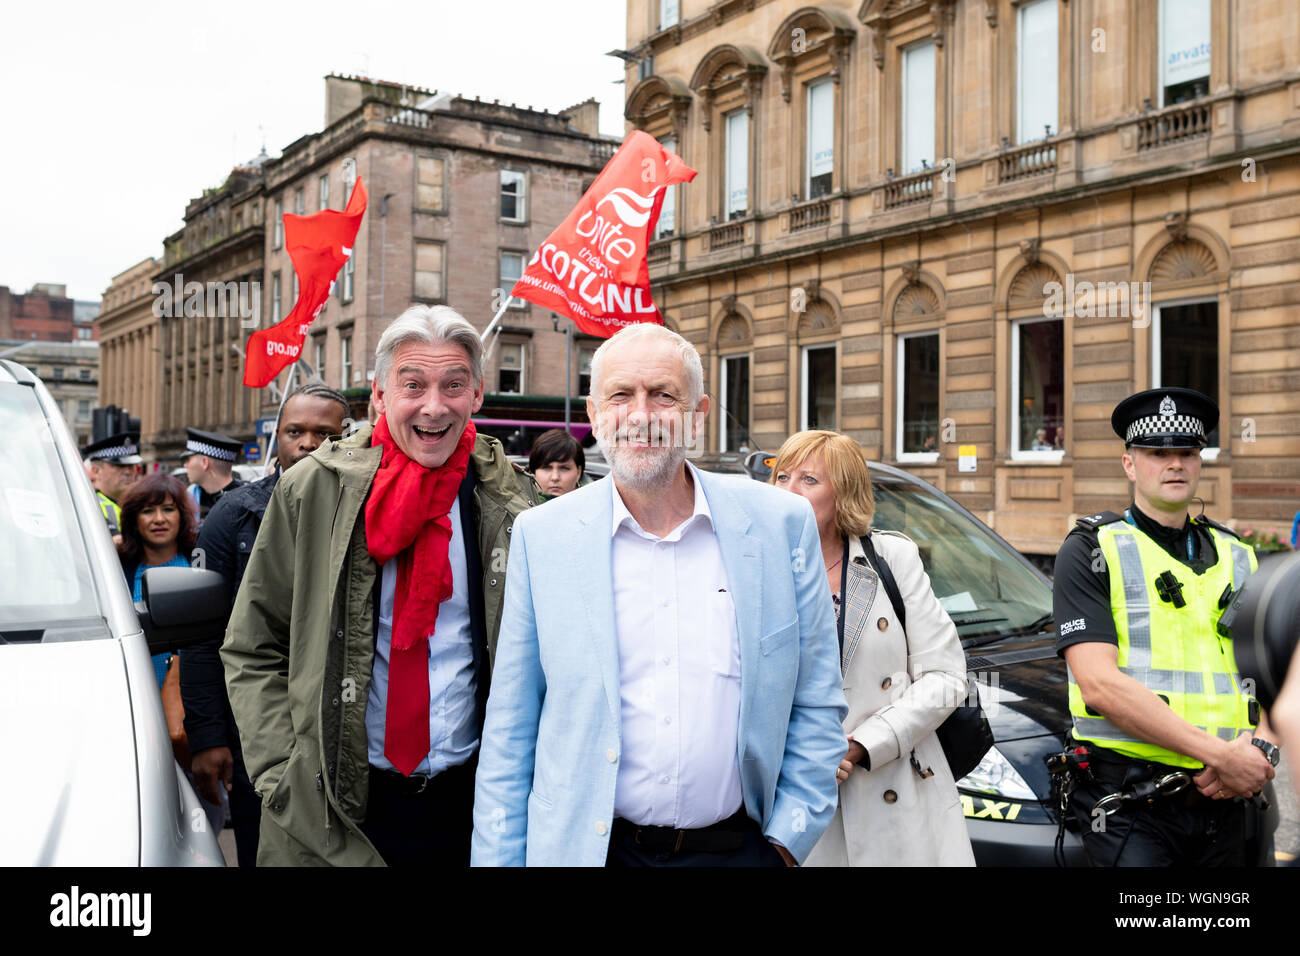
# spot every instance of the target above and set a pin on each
(1036, 457)
(917, 457)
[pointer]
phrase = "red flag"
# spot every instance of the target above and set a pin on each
(319, 245)
(593, 267)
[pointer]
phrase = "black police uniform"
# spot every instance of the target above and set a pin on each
(1185, 828)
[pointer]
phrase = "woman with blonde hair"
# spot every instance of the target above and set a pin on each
(898, 801)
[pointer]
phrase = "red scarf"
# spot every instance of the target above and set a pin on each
(408, 518)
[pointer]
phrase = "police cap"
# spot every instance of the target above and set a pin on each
(120, 449)
(1165, 418)
(213, 444)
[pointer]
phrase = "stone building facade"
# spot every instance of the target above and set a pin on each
(460, 194)
(935, 225)
(129, 351)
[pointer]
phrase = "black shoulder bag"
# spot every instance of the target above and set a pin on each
(965, 735)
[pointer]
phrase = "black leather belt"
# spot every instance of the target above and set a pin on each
(721, 837)
(418, 783)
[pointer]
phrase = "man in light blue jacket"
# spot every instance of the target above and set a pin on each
(666, 689)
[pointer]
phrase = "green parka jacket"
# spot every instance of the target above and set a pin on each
(300, 645)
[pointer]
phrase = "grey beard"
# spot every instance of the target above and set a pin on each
(656, 475)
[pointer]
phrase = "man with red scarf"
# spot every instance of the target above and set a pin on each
(361, 643)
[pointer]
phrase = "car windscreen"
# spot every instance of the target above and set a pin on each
(45, 577)
(985, 589)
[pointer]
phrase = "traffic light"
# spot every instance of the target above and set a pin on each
(112, 421)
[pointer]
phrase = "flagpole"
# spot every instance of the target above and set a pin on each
(496, 319)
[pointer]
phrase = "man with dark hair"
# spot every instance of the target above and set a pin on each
(556, 462)
(309, 416)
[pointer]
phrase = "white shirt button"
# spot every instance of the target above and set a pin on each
(664, 778)
(667, 719)
(601, 828)
(667, 661)
(610, 755)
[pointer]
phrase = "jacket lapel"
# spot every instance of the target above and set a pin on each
(594, 566)
(859, 594)
(742, 559)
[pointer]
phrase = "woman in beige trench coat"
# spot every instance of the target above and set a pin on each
(898, 801)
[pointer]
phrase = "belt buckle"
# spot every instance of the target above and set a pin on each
(424, 782)
(677, 845)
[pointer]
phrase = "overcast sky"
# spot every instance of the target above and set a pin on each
(116, 114)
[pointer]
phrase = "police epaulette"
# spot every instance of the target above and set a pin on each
(1202, 519)
(1093, 522)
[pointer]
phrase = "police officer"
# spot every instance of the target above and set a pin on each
(1175, 746)
(113, 464)
(209, 459)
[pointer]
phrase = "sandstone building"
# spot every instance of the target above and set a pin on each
(932, 225)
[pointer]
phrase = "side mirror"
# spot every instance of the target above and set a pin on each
(182, 607)
(758, 465)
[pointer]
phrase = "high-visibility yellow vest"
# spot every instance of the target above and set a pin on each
(110, 510)
(1176, 653)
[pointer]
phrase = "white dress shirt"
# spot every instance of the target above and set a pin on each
(679, 672)
(453, 700)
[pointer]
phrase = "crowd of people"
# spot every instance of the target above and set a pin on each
(436, 657)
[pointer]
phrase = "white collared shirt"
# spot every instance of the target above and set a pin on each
(679, 672)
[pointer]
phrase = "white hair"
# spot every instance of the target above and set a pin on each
(429, 325)
(642, 330)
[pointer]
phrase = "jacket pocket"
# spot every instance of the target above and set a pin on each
(771, 643)
(722, 634)
(278, 798)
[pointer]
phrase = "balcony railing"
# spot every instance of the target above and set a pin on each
(1025, 161)
(914, 188)
(810, 215)
(726, 235)
(1173, 126)
(659, 251)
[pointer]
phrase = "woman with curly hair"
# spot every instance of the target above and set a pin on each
(158, 530)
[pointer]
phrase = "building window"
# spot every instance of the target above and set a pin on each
(277, 236)
(1184, 50)
(734, 389)
(429, 271)
(512, 267)
(819, 388)
(585, 355)
(275, 297)
(1037, 59)
(84, 374)
(737, 163)
(299, 206)
(429, 191)
(1185, 351)
(1038, 389)
(514, 206)
(917, 437)
(349, 179)
(668, 211)
(85, 333)
(58, 372)
(917, 107)
(510, 374)
(83, 408)
(345, 360)
(293, 299)
(323, 191)
(820, 161)
(668, 13)
(318, 347)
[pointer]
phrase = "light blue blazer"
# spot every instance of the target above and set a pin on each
(551, 742)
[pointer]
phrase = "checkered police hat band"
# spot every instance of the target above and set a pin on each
(1165, 425)
(117, 451)
(212, 451)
